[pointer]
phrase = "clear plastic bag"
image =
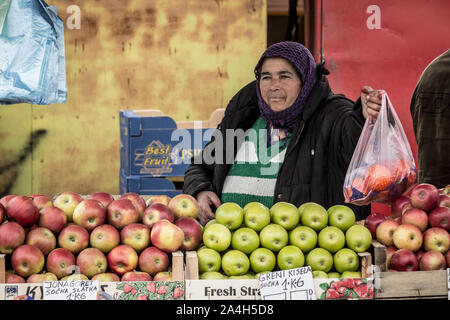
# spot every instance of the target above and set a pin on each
(382, 166)
(32, 54)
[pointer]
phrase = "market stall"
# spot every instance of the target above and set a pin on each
(96, 210)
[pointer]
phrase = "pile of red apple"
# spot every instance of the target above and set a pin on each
(244, 242)
(95, 237)
(416, 236)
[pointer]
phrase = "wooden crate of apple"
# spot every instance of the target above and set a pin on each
(100, 236)
(241, 243)
(415, 238)
(107, 290)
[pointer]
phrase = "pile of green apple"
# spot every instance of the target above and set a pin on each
(244, 242)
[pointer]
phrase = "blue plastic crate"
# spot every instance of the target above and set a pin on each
(147, 185)
(155, 146)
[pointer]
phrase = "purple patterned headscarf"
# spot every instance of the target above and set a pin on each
(300, 57)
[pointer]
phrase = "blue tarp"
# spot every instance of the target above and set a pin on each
(32, 55)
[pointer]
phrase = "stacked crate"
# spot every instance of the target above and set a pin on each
(407, 285)
(155, 150)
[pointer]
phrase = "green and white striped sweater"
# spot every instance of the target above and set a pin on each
(254, 172)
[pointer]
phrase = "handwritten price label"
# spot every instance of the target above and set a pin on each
(293, 284)
(71, 290)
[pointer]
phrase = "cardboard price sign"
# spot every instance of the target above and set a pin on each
(292, 284)
(71, 290)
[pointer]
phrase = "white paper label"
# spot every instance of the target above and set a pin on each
(292, 284)
(71, 290)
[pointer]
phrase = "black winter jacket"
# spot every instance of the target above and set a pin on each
(317, 156)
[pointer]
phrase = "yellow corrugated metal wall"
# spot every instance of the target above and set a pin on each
(184, 57)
